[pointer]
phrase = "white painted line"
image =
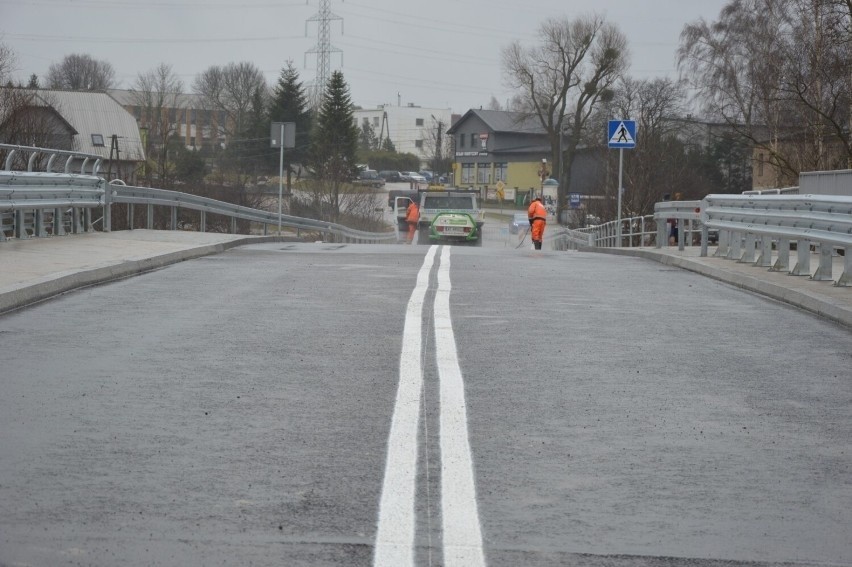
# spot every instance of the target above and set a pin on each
(461, 528)
(395, 534)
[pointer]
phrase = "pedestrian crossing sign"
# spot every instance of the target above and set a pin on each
(622, 134)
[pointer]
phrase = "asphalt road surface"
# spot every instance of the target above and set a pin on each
(329, 404)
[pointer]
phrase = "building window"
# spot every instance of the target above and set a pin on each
(418, 143)
(192, 116)
(468, 174)
(375, 120)
(760, 165)
(97, 140)
(461, 140)
(473, 140)
(500, 171)
(484, 174)
(418, 122)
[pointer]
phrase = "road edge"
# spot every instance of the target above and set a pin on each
(812, 302)
(29, 295)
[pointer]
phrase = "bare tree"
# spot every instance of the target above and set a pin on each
(80, 72)
(158, 93)
(32, 118)
(563, 78)
(439, 147)
(232, 88)
(8, 62)
(778, 73)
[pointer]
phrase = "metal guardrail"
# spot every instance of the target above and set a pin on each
(36, 204)
(150, 197)
(750, 226)
(33, 154)
(686, 213)
(781, 191)
(39, 204)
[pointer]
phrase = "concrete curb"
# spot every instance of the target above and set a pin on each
(52, 287)
(812, 302)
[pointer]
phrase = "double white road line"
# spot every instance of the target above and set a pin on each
(462, 534)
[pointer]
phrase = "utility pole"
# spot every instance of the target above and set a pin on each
(438, 154)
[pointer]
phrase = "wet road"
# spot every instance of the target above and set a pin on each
(247, 409)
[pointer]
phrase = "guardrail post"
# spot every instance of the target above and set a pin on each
(149, 219)
(681, 234)
(803, 259)
(233, 225)
(748, 253)
(823, 271)
(20, 227)
(174, 218)
(764, 260)
(735, 246)
(107, 208)
(58, 222)
(130, 215)
(782, 263)
(203, 221)
(705, 240)
(40, 231)
(846, 277)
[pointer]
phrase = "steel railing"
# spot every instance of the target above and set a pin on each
(12, 152)
(750, 227)
(635, 231)
(151, 197)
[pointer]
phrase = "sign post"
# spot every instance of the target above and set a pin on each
(282, 135)
(621, 134)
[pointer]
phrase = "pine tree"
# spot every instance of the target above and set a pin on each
(289, 104)
(334, 140)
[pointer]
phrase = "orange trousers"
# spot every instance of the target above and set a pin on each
(412, 228)
(537, 230)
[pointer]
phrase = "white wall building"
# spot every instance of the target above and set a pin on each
(410, 128)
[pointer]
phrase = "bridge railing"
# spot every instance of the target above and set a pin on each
(750, 226)
(15, 153)
(685, 213)
(635, 231)
(38, 204)
(47, 203)
(151, 197)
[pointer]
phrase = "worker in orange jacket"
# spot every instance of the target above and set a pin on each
(412, 216)
(538, 219)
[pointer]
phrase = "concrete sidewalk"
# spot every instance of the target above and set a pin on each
(39, 268)
(820, 297)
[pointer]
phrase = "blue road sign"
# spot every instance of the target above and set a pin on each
(621, 134)
(574, 200)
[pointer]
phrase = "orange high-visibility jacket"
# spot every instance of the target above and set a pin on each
(412, 213)
(537, 211)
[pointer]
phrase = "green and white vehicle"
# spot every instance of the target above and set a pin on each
(450, 217)
(446, 217)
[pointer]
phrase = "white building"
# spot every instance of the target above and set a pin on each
(412, 129)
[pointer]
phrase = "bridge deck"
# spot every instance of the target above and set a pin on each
(37, 269)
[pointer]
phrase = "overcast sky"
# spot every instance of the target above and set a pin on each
(432, 53)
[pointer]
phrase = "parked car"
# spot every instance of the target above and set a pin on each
(370, 178)
(404, 176)
(427, 175)
(414, 176)
(390, 176)
(519, 223)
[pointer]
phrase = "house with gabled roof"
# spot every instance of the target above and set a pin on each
(87, 122)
